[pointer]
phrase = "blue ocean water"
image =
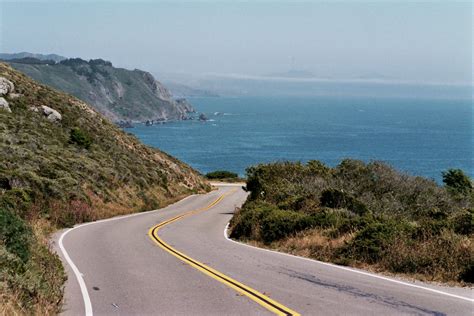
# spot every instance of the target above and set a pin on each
(419, 136)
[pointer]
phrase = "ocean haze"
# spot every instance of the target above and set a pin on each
(401, 41)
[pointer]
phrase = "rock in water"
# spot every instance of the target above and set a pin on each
(203, 117)
(51, 114)
(6, 86)
(4, 105)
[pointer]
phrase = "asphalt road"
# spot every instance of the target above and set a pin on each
(132, 265)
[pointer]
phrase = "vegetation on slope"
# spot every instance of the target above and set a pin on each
(55, 174)
(363, 215)
(223, 175)
(117, 93)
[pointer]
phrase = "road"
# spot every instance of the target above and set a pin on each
(177, 261)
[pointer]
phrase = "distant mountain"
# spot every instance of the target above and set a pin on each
(53, 57)
(184, 91)
(293, 74)
(117, 93)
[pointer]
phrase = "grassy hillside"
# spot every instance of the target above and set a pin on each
(117, 93)
(363, 215)
(58, 172)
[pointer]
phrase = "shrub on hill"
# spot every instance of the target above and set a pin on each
(221, 174)
(358, 214)
(79, 137)
(456, 181)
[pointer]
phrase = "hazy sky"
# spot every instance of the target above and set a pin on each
(424, 41)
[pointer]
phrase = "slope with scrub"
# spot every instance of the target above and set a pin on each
(363, 215)
(63, 163)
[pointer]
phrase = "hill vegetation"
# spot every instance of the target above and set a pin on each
(362, 215)
(117, 93)
(63, 163)
(223, 175)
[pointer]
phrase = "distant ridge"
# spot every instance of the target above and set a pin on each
(293, 74)
(53, 57)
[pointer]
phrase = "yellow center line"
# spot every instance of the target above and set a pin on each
(253, 294)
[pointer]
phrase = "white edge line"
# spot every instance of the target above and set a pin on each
(348, 269)
(80, 279)
(77, 273)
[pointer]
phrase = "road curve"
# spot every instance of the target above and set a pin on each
(116, 266)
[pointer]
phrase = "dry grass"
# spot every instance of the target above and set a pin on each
(312, 243)
(316, 244)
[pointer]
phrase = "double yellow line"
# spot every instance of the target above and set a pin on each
(254, 295)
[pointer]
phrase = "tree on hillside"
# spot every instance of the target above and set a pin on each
(457, 181)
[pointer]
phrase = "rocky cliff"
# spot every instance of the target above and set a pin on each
(117, 93)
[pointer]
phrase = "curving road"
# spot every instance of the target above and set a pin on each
(177, 261)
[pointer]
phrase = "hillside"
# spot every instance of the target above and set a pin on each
(364, 215)
(63, 163)
(117, 93)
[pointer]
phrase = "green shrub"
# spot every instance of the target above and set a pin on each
(80, 138)
(457, 181)
(463, 223)
(15, 234)
(370, 243)
(280, 223)
(17, 200)
(317, 168)
(149, 201)
(467, 275)
(246, 222)
(222, 174)
(294, 202)
(327, 218)
(334, 198)
(363, 213)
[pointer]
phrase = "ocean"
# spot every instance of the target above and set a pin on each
(420, 136)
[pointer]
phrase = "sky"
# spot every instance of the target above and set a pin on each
(428, 41)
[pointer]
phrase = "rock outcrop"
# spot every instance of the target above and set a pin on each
(51, 114)
(203, 117)
(6, 86)
(4, 105)
(6, 89)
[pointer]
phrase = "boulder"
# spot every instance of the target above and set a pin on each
(51, 114)
(6, 86)
(14, 95)
(203, 117)
(4, 105)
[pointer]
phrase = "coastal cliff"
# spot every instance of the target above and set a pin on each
(117, 93)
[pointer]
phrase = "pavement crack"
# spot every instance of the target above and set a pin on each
(353, 291)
